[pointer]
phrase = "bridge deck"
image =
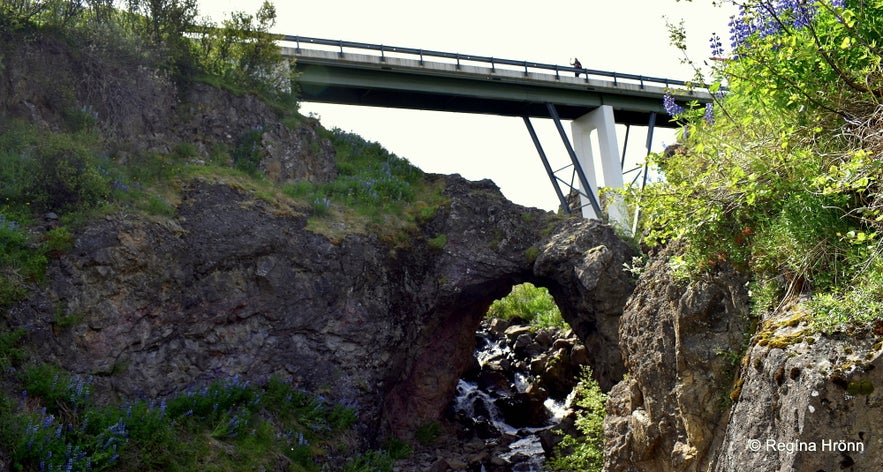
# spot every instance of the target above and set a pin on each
(403, 78)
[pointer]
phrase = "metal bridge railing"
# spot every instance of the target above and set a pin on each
(421, 54)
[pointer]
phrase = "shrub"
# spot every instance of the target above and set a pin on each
(774, 177)
(244, 52)
(530, 303)
(21, 264)
(50, 171)
(586, 451)
(248, 153)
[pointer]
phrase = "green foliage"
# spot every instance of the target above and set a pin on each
(531, 254)
(428, 433)
(164, 24)
(248, 153)
(369, 175)
(244, 52)
(586, 451)
(166, 34)
(375, 190)
(11, 352)
(228, 425)
(370, 178)
(780, 181)
(50, 171)
(530, 303)
(439, 242)
(21, 264)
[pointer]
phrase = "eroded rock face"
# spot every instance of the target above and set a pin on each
(807, 402)
(695, 401)
(138, 109)
(234, 285)
(585, 259)
(666, 416)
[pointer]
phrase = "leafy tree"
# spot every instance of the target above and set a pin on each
(245, 52)
(165, 23)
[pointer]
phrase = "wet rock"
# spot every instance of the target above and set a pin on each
(493, 380)
(523, 410)
(497, 327)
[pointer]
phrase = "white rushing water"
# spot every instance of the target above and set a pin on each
(526, 452)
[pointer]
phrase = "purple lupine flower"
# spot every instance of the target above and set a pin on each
(672, 108)
(717, 47)
(709, 113)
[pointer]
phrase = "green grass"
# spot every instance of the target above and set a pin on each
(227, 425)
(375, 191)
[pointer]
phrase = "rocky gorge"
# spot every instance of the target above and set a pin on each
(232, 283)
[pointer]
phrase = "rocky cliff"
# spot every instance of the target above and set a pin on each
(234, 285)
(694, 400)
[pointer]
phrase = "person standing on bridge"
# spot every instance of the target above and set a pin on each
(576, 64)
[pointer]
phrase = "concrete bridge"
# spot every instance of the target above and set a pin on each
(344, 72)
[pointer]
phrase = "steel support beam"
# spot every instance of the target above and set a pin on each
(536, 142)
(651, 125)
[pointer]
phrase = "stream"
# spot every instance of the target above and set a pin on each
(514, 394)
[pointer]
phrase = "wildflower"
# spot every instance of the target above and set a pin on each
(709, 113)
(117, 185)
(672, 108)
(717, 47)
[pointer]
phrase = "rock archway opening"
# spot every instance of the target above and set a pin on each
(579, 269)
(520, 382)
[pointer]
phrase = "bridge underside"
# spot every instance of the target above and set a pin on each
(389, 88)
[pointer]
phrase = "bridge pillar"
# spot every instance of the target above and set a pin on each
(603, 170)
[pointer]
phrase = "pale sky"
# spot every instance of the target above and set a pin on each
(627, 36)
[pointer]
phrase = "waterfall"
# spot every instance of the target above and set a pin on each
(502, 401)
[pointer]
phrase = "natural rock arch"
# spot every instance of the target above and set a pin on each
(234, 286)
(579, 261)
